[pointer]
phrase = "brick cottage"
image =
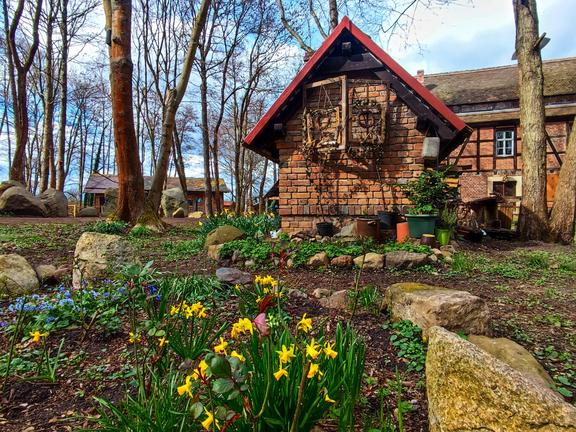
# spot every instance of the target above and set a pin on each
(349, 130)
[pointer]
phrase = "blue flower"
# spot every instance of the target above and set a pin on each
(66, 301)
(50, 319)
(3, 324)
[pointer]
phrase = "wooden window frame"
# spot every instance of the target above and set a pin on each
(510, 129)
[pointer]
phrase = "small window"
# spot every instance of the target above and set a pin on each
(505, 189)
(504, 143)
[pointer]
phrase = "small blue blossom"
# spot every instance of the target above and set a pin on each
(50, 319)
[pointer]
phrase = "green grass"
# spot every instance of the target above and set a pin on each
(183, 249)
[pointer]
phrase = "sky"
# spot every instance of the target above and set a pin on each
(467, 35)
(471, 35)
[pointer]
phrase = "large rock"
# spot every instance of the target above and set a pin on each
(223, 234)
(469, 390)
(348, 231)
(515, 356)
(319, 260)
(233, 276)
(56, 202)
(18, 200)
(172, 200)
(96, 255)
(342, 261)
(339, 300)
(46, 272)
(214, 252)
(370, 261)
(402, 259)
(17, 277)
(428, 306)
(110, 201)
(179, 213)
(195, 215)
(88, 212)
(7, 184)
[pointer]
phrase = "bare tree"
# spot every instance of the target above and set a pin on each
(19, 64)
(118, 15)
(533, 219)
(173, 99)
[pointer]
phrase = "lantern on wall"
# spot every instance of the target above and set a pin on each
(431, 148)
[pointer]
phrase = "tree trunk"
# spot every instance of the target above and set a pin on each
(262, 186)
(48, 106)
(130, 181)
(533, 218)
(205, 138)
(333, 14)
(63, 97)
(563, 214)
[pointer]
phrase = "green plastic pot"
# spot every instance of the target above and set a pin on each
(418, 225)
(443, 236)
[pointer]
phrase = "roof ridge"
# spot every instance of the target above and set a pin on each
(511, 66)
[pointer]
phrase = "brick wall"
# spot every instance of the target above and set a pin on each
(478, 162)
(343, 184)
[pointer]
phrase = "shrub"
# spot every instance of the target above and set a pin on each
(251, 225)
(429, 192)
(108, 227)
(249, 248)
(140, 231)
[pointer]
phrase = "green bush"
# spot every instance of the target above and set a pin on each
(105, 227)
(429, 193)
(252, 226)
(249, 248)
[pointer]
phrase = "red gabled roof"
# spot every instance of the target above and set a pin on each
(377, 52)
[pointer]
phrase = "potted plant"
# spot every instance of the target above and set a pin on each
(428, 194)
(446, 225)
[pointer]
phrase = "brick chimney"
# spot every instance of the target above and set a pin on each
(420, 76)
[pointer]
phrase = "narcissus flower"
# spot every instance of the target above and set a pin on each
(36, 336)
(314, 370)
(305, 324)
(209, 420)
(221, 347)
(329, 351)
(243, 326)
(162, 341)
(313, 349)
(286, 355)
(328, 399)
(280, 373)
(200, 371)
(186, 387)
(134, 337)
(238, 356)
(174, 310)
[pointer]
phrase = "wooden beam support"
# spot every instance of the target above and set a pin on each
(551, 144)
(354, 62)
(419, 107)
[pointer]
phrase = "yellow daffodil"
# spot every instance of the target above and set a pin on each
(286, 355)
(237, 287)
(313, 349)
(162, 341)
(36, 336)
(266, 281)
(209, 420)
(280, 373)
(266, 290)
(200, 371)
(188, 313)
(202, 313)
(134, 337)
(305, 324)
(174, 310)
(221, 347)
(238, 356)
(186, 387)
(328, 399)
(196, 308)
(259, 300)
(243, 326)
(329, 351)
(314, 370)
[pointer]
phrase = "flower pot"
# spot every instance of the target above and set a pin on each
(387, 219)
(367, 228)
(429, 240)
(443, 236)
(325, 229)
(419, 225)
(402, 233)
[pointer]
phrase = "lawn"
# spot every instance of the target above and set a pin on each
(130, 335)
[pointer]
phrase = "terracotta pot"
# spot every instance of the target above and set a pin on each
(367, 228)
(402, 233)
